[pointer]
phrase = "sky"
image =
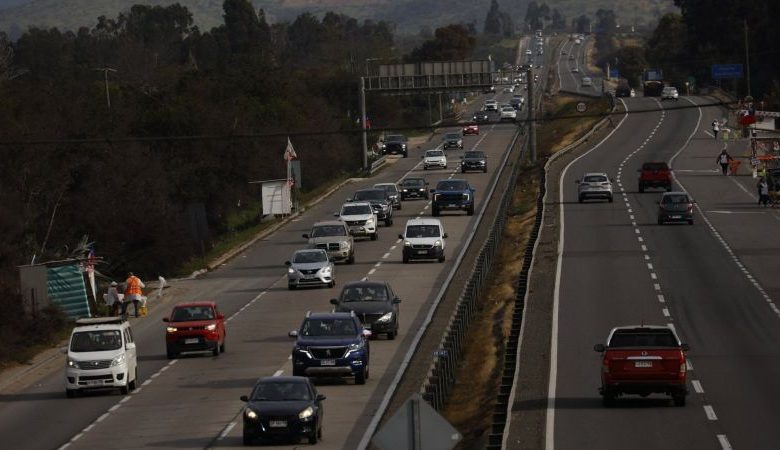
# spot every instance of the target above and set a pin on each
(8, 3)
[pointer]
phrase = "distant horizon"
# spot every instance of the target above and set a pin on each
(11, 3)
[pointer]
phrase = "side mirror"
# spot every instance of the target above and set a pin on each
(685, 347)
(287, 263)
(423, 156)
(461, 157)
(334, 301)
(293, 334)
(348, 200)
(611, 180)
(244, 398)
(336, 214)
(220, 316)
(64, 350)
(320, 397)
(165, 319)
(305, 235)
(366, 333)
(599, 348)
(473, 189)
(396, 300)
(444, 236)
(400, 236)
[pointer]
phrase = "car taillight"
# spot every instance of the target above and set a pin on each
(683, 365)
(690, 207)
(605, 366)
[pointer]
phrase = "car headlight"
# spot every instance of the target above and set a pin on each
(306, 413)
(171, 329)
(290, 270)
(118, 360)
(72, 363)
(404, 190)
(326, 270)
(386, 318)
(250, 414)
(343, 245)
(437, 244)
(354, 348)
(370, 221)
(211, 327)
(466, 197)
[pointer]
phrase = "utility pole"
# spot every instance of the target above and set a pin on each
(747, 56)
(531, 114)
(105, 71)
(363, 121)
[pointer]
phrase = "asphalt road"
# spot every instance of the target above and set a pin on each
(715, 282)
(572, 81)
(193, 402)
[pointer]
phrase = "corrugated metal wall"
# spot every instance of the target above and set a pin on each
(67, 290)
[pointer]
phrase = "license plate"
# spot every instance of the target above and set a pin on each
(277, 423)
(94, 382)
(328, 362)
(422, 252)
(191, 341)
(453, 205)
(675, 217)
(643, 364)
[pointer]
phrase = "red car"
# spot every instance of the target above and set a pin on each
(195, 327)
(655, 174)
(471, 129)
(642, 360)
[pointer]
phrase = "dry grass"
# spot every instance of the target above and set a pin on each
(475, 392)
(556, 133)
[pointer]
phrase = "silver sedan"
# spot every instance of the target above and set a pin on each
(310, 267)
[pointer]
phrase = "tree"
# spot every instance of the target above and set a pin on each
(498, 22)
(532, 16)
(631, 62)
(247, 32)
(558, 20)
(670, 47)
(450, 43)
(581, 24)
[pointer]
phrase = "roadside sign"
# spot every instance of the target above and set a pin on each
(416, 426)
(581, 107)
(721, 71)
(614, 73)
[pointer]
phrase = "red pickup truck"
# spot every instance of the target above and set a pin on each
(642, 360)
(655, 174)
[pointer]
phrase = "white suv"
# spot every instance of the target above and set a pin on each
(101, 354)
(423, 239)
(508, 113)
(594, 185)
(360, 218)
(491, 105)
(434, 158)
(670, 93)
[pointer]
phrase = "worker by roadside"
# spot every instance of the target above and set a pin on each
(112, 299)
(715, 128)
(763, 191)
(133, 293)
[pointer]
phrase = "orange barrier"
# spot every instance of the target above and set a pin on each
(734, 166)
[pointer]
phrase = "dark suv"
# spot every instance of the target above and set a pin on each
(331, 344)
(380, 201)
(374, 302)
(453, 194)
(655, 174)
(395, 144)
(473, 160)
(413, 188)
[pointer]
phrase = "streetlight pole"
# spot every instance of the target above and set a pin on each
(105, 71)
(747, 56)
(531, 115)
(363, 121)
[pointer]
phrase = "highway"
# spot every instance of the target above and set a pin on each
(193, 402)
(571, 56)
(715, 282)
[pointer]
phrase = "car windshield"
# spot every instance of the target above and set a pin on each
(309, 257)
(471, 155)
(356, 210)
(395, 138)
(433, 153)
(451, 185)
(643, 338)
(328, 327)
(276, 391)
(372, 194)
(507, 109)
(451, 136)
(364, 293)
(594, 179)
(655, 166)
(675, 198)
(413, 182)
(328, 230)
(188, 313)
(391, 188)
(422, 231)
(96, 341)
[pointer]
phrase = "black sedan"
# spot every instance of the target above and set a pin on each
(481, 116)
(286, 408)
(413, 188)
(374, 302)
(474, 160)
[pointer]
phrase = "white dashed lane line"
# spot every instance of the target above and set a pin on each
(697, 386)
(710, 412)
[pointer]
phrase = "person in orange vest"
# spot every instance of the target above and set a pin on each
(133, 293)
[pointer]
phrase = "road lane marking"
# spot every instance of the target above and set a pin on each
(371, 272)
(710, 412)
(724, 442)
(697, 386)
(278, 372)
(653, 276)
(657, 286)
(665, 312)
(644, 248)
(225, 432)
(386, 255)
(661, 298)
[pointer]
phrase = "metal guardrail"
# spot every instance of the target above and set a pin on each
(379, 162)
(441, 375)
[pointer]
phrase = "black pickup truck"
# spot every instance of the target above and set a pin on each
(453, 195)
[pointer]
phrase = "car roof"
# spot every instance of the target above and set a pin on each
(329, 315)
(453, 179)
(674, 193)
(195, 303)
(413, 178)
(283, 379)
(384, 184)
(357, 204)
(371, 189)
(331, 222)
(413, 222)
(590, 174)
(364, 283)
(311, 250)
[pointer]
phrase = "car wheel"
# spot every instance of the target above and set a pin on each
(441, 258)
(391, 335)
(660, 221)
(133, 384)
(360, 377)
(462, 170)
(484, 170)
(313, 438)
(332, 284)
(290, 286)
(298, 372)
(124, 390)
(406, 154)
(247, 439)
(610, 199)
(641, 188)
(679, 399)
(425, 167)
(399, 206)
(319, 433)
(215, 351)
(375, 236)
(171, 354)
(388, 222)
(470, 210)
(435, 212)
(690, 222)
(580, 199)
(668, 188)
(608, 399)
(351, 259)
(70, 393)
(405, 259)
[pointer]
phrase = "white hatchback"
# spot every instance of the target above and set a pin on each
(434, 158)
(594, 185)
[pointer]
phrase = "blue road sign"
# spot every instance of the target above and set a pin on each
(720, 71)
(614, 73)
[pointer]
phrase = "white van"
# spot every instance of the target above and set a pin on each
(423, 239)
(101, 354)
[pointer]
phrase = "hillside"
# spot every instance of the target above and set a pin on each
(409, 16)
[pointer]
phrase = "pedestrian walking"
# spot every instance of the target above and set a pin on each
(763, 192)
(723, 159)
(133, 293)
(776, 148)
(715, 128)
(112, 299)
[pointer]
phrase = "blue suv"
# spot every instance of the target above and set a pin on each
(331, 345)
(453, 194)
